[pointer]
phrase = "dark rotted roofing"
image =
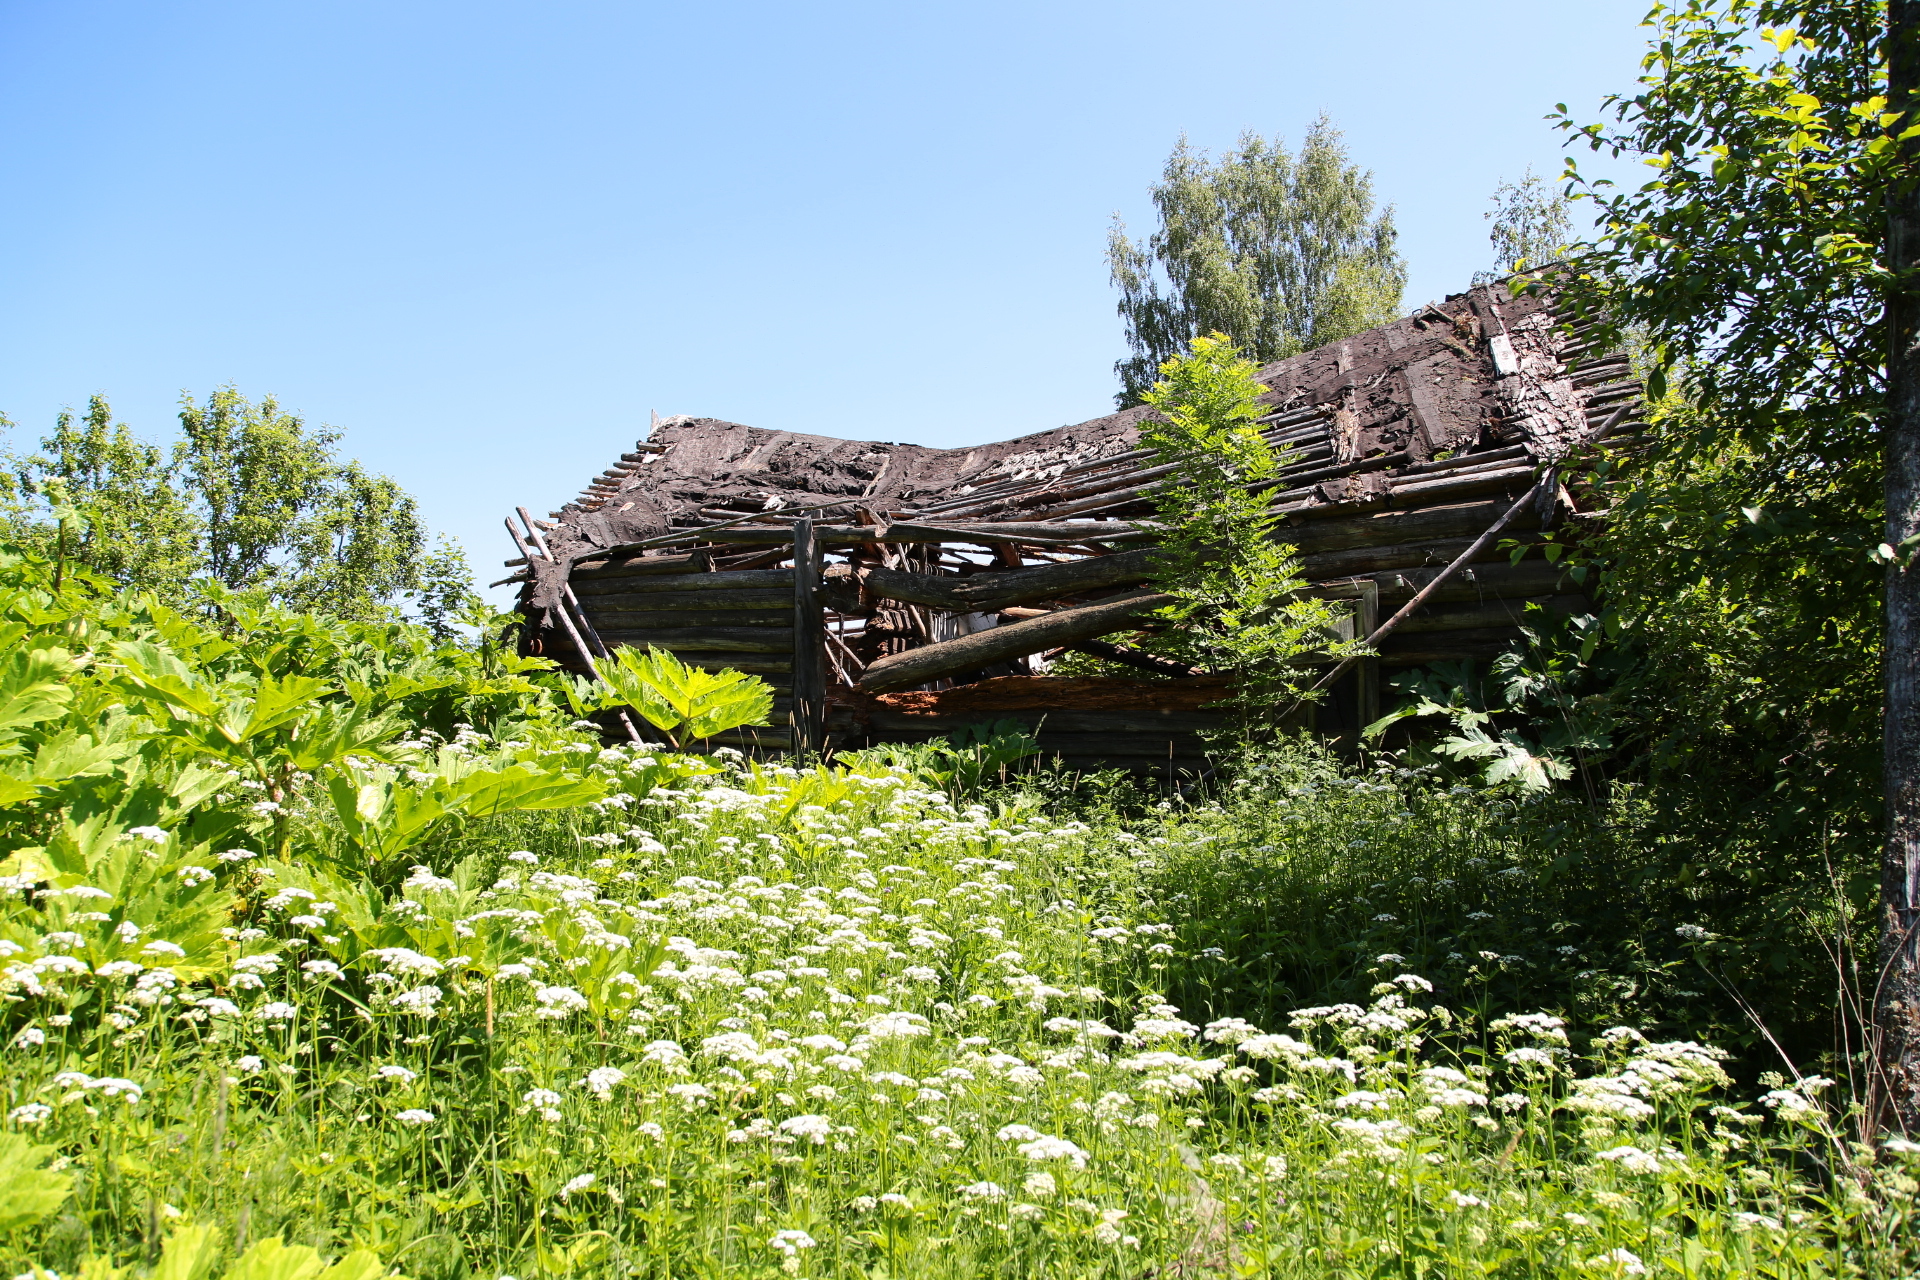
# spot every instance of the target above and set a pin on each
(1481, 372)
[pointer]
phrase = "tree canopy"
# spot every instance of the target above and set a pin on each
(1278, 252)
(251, 497)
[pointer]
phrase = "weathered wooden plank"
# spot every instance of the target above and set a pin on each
(1436, 554)
(674, 583)
(1451, 484)
(1393, 528)
(609, 596)
(770, 666)
(707, 639)
(639, 619)
(1445, 646)
(984, 648)
(1494, 579)
(988, 592)
(1035, 532)
(1491, 613)
(643, 566)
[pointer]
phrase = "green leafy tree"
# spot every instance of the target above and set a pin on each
(1770, 265)
(128, 518)
(1281, 253)
(251, 498)
(1532, 226)
(1236, 586)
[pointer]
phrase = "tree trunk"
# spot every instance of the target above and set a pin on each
(1894, 1101)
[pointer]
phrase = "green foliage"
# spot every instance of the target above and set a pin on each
(1532, 226)
(1236, 587)
(250, 500)
(684, 702)
(29, 1191)
(1543, 712)
(1755, 255)
(1741, 555)
(193, 1253)
(1281, 253)
(1756, 626)
(506, 1001)
(127, 517)
(959, 763)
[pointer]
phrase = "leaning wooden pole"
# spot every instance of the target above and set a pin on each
(1895, 1096)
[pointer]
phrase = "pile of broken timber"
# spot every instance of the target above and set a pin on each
(1399, 551)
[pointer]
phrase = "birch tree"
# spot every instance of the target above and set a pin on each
(1278, 252)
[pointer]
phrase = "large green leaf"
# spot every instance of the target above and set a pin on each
(28, 1190)
(683, 701)
(189, 1254)
(32, 686)
(160, 676)
(517, 787)
(277, 703)
(271, 1260)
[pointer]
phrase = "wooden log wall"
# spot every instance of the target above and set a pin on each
(709, 618)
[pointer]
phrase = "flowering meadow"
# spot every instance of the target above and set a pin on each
(300, 969)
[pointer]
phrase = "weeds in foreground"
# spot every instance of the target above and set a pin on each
(828, 1023)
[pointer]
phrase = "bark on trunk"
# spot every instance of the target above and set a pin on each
(1895, 1100)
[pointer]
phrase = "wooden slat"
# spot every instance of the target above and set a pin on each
(776, 669)
(989, 592)
(707, 639)
(1392, 528)
(621, 617)
(779, 580)
(610, 596)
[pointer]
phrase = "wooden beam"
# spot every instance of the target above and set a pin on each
(698, 639)
(991, 592)
(809, 643)
(984, 648)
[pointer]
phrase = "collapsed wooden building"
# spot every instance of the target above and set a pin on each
(894, 592)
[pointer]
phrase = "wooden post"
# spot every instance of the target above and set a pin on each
(1367, 693)
(809, 644)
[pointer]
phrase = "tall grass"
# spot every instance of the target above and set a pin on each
(832, 1022)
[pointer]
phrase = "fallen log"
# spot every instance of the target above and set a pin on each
(1016, 640)
(990, 592)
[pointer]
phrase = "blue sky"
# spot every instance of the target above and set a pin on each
(487, 239)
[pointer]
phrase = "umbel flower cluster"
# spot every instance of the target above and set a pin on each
(736, 1019)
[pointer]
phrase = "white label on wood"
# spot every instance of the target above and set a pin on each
(1505, 362)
